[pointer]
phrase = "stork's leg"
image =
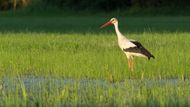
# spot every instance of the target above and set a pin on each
(132, 63)
(129, 64)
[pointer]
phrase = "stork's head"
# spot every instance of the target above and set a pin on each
(112, 21)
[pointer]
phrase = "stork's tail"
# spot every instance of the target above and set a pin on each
(151, 56)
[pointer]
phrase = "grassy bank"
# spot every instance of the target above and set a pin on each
(91, 24)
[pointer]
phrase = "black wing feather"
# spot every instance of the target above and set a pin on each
(139, 49)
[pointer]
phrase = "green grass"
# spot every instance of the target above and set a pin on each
(76, 49)
(94, 56)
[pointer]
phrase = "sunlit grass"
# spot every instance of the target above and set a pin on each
(92, 56)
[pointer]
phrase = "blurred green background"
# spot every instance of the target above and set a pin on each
(86, 7)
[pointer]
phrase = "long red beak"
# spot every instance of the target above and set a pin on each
(106, 24)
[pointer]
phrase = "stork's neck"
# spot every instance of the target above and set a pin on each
(119, 34)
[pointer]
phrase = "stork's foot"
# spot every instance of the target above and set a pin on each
(132, 69)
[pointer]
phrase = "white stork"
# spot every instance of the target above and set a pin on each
(130, 47)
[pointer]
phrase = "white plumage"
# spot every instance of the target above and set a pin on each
(130, 47)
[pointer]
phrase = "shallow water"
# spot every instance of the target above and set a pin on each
(38, 84)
